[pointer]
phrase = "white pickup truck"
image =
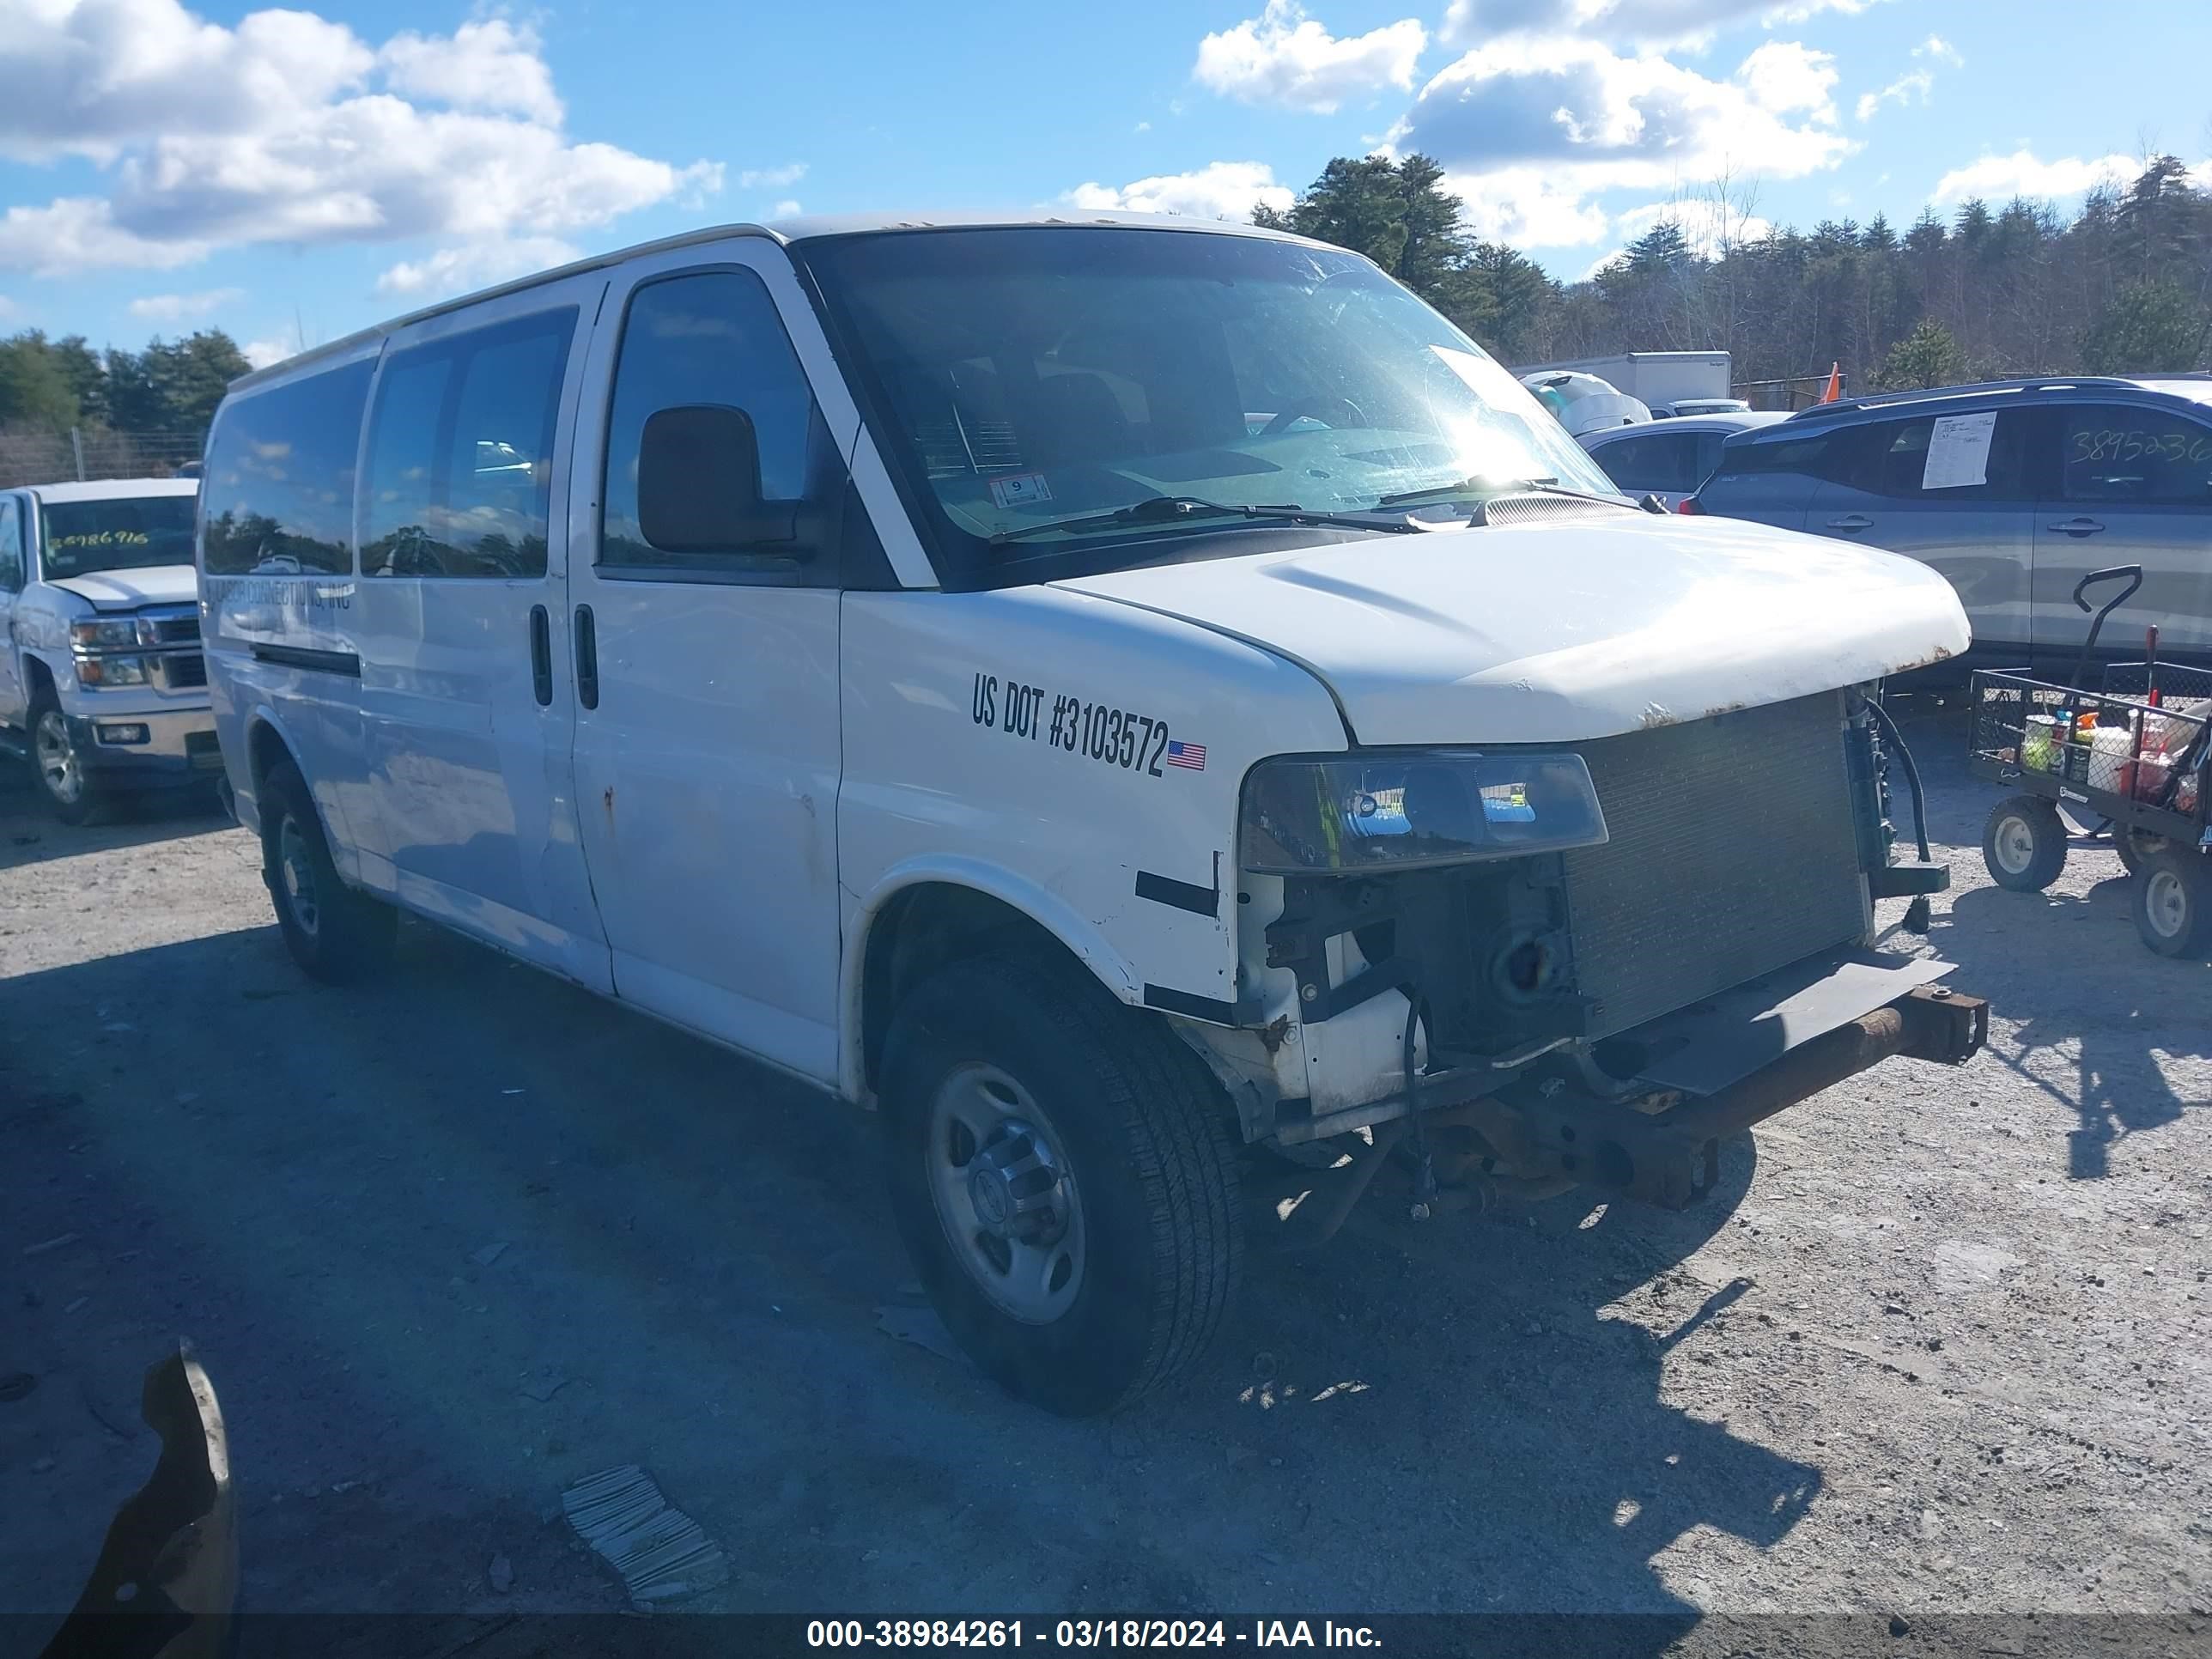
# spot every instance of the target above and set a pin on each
(101, 682)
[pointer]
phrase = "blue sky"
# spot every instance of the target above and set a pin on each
(292, 175)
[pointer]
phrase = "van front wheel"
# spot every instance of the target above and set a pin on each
(333, 932)
(1061, 1172)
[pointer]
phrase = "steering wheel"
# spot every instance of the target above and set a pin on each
(1331, 411)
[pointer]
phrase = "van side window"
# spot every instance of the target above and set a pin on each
(712, 338)
(276, 493)
(1892, 460)
(2111, 452)
(460, 452)
(11, 548)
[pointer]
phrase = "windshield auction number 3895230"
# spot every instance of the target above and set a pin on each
(1084, 1633)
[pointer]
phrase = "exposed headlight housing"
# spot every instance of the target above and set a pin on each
(1413, 809)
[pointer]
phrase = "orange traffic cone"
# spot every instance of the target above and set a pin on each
(1835, 384)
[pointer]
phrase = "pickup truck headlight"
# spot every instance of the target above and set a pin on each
(1413, 809)
(102, 672)
(110, 633)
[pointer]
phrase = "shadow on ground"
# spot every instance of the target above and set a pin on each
(450, 1241)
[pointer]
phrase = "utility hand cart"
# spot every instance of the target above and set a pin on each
(2135, 758)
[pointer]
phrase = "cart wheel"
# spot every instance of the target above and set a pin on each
(2024, 843)
(2173, 902)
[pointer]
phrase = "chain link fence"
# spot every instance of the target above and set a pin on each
(35, 457)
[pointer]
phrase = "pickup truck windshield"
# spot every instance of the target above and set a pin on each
(78, 538)
(1030, 378)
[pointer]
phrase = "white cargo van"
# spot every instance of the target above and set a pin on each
(1105, 693)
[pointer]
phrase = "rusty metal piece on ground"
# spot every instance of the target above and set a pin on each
(165, 1582)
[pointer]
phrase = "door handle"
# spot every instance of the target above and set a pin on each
(1851, 521)
(541, 655)
(588, 659)
(2078, 526)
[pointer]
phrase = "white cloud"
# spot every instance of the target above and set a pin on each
(262, 353)
(1530, 130)
(1143, 126)
(1285, 57)
(490, 64)
(786, 208)
(1664, 23)
(1220, 190)
(1710, 226)
(2003, 177)
(289, 128)
(474, 265)
(174, 307)
(1914, 82)
(772, 178)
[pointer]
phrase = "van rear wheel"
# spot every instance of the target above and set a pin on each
(334, 932)
(1062, 1174)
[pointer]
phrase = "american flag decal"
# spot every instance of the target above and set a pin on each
(1192, 754)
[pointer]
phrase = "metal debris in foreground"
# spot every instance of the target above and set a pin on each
(661, 1552)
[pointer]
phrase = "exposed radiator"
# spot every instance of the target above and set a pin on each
(1732, 854)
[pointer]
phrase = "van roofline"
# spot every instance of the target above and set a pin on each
(2148, 386)
(784, 233)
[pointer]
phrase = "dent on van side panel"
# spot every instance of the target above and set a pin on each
(1080, 758)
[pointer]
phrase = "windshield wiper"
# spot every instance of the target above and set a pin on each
(1487, 487)
(1171, 509)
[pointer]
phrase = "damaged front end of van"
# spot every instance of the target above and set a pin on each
(1640, 922)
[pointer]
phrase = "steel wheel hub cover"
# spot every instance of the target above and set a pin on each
(1004, 1194)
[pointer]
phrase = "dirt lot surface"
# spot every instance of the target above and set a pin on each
(449, 1243)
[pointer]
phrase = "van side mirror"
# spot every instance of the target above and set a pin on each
(699, 486)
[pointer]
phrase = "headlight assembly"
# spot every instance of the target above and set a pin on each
(103, 672)
(1413, 809)
(106, 634)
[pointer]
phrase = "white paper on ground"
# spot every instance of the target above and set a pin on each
(1959, 451)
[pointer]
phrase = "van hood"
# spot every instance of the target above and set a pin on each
(126, 590)
(1540, 632)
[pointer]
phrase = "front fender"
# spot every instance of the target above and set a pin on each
(1076, 932)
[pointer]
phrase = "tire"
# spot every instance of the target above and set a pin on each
(335, 932)
(70, 792)
(2024, 843)
(2172, 901)
(1134, 1243)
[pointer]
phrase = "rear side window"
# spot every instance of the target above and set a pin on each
(2111, 452)
(279, 482)
(1655, 460)
(460, 452)
(1813, 457)
(1978, 455)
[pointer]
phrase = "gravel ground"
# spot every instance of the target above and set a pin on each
(451, 1242)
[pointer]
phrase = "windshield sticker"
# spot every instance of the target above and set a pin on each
(1020, 489)
(102, 538)
(1097, 730)
(1959, 452)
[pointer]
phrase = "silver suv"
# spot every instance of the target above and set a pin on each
(2014, 490)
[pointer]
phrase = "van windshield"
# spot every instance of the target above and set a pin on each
(78, 538)
(1031, 381)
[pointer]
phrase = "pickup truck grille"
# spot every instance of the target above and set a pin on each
(174, 627)
(180, 671)
(1732, 854)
